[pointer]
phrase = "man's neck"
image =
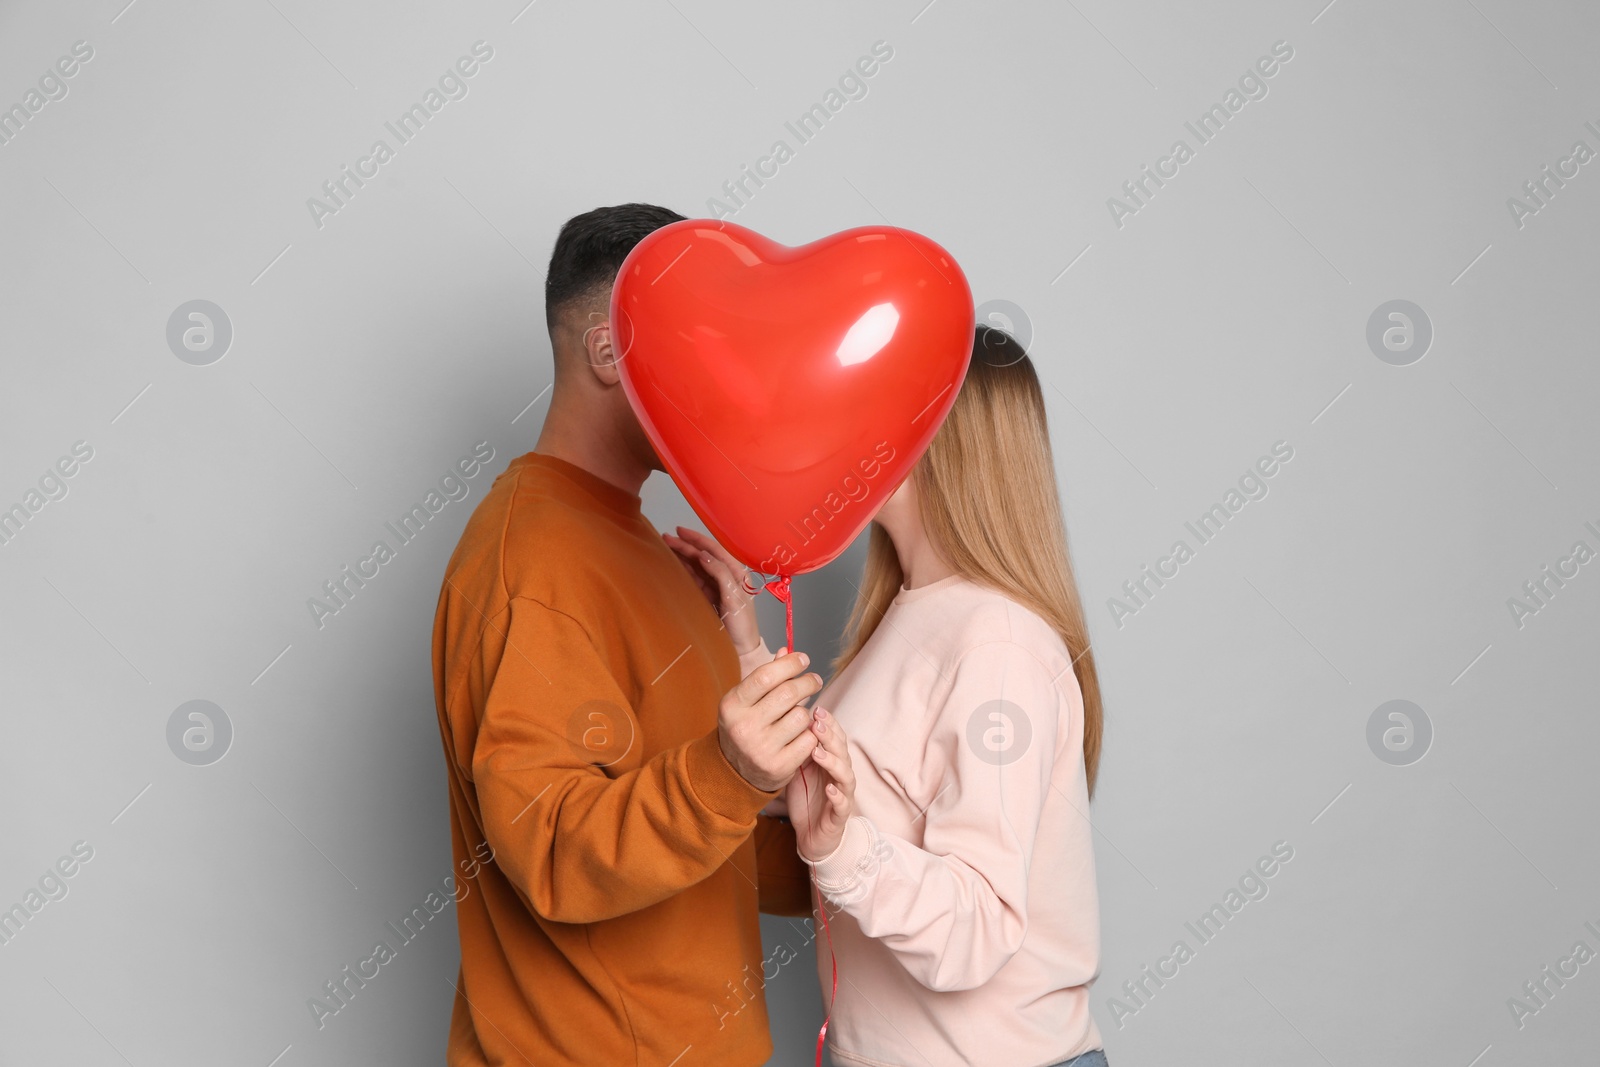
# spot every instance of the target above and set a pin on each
(594, 449)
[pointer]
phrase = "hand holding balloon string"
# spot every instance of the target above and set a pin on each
(725, 583)
(819, 814)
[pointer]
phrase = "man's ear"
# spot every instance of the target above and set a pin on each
(600, 352)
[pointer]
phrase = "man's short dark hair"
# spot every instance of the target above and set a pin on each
(591, 247)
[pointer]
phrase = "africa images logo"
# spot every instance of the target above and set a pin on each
(342, 187)
(53, 86)
(1252, 85)
(455, 485)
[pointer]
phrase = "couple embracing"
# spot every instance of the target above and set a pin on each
(648, 775)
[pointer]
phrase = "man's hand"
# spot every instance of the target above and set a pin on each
(724, 581)
(764, 727)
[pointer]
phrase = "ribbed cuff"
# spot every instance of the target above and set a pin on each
(720, 787)
(756, 657)
(855, 860)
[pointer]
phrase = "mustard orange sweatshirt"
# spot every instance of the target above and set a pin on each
(613, 859)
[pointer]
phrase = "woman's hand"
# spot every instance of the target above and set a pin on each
(723, 580)
(821, 796)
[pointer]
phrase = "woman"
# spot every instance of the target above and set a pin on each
(946, 815)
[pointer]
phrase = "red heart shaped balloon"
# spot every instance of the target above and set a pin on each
(789, 391)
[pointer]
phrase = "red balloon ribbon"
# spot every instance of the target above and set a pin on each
(833, 961)
(779, 587)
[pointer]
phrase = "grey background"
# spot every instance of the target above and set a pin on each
(1229, 313)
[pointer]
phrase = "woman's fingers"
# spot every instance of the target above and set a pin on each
(696, 562)
(687, 552)
(738, 571)
(683, 551)
(734, 597)
(691, 563)
(839, 772)
(717, 571)
(835, 755)
(832, 757)
(711, 568)
(697, 538)
(709, 544)
(833, 810)
(840, 804)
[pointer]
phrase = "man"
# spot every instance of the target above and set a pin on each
(607, 766)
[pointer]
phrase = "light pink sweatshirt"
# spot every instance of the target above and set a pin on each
(969, 931)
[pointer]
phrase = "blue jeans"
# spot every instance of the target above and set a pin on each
(1092, 1058)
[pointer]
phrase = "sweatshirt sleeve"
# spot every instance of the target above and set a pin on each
(784, 880)
(582, 846)
(954, 911)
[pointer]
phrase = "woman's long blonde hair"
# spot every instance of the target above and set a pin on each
(987, 494)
